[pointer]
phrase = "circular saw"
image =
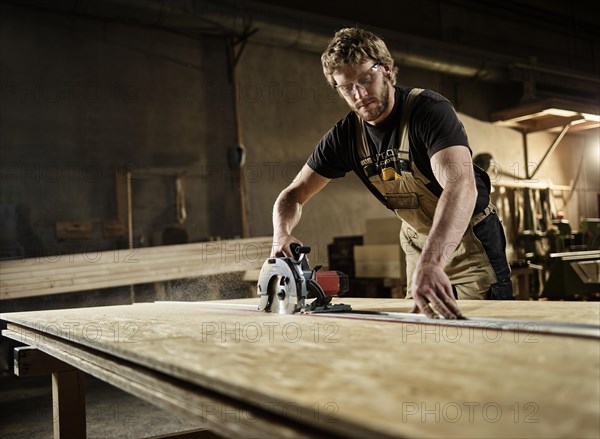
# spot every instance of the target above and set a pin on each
(285, 284)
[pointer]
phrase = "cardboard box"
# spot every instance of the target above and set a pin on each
(379, 261)
(382, 231)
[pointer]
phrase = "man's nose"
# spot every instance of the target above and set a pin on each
(359, 91)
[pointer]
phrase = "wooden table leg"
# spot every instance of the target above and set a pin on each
(68, 403)
(68, 389)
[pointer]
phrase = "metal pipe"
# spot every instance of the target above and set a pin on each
(552, 147)
(525, 154)
(130, 226)
(236, 50)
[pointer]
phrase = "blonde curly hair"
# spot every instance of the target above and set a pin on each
(354, 46)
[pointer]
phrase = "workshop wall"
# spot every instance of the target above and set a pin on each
(81, 98)
(286, 106)
(574, 164)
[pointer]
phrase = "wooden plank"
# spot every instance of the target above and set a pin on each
(249, 246)
(558, 311)
(26, 278)
(109, 280)
(190, 434)
(29, 362)
(410, 319)
(136, 262)
(138, 273)
(225, 416)
(68, 404)
(378, 377)
(135, 274)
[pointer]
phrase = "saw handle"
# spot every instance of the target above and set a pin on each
(298, 250)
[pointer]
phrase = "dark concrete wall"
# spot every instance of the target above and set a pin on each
(280, 130)
(82, 97)
(296, 108)
(558, 33)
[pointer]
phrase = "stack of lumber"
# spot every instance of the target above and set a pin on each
(113, 268)
(380, 256)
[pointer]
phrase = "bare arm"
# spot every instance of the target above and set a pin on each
(453, 169)
(288, 208)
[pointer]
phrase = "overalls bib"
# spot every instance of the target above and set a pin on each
(398, 179)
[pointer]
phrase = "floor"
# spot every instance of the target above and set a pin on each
(26, 411)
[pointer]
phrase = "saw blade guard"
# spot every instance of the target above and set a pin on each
(281, 286)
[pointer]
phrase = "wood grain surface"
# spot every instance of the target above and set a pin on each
(112, 268)
(358, 378)
(558, 311)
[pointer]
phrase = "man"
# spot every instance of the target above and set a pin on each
(411, 151)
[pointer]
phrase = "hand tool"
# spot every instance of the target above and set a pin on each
(285, 283)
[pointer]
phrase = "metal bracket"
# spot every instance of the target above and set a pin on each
(549, 151)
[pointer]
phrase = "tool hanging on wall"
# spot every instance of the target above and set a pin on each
(181, 213)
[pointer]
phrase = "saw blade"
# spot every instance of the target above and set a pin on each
(280, 287)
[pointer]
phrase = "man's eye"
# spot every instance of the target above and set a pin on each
(367, 79)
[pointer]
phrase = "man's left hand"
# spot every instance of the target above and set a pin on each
(433, 294)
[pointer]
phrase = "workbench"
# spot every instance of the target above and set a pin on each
(242, 373)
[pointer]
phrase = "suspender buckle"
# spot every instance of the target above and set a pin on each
(483, 214)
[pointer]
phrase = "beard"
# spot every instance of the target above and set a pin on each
(377, 104)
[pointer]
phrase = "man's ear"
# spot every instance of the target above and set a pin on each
(387, 70)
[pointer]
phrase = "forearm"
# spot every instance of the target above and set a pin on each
(286, 214)
(287, 209)
(452, 217)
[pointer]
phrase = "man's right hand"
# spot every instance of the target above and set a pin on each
(281, 246)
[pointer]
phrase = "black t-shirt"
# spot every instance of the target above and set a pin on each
(433, 126)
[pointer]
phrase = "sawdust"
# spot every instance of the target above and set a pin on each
(215, 287)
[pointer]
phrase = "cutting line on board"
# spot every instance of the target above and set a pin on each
(495, 324)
